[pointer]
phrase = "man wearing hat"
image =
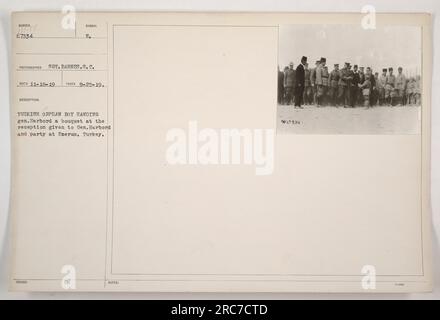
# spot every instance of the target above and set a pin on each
(300, 79)
(400, 86)
(289, 84)
(334, 83)
(355, 91)
(369, 73)
(321, 80)
(313, 80)
(381, 84)
(389, 87)
(362, 74)
(346, 75)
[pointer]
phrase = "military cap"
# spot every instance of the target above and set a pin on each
(304, 58)
(384, 70)
(390, 69)
(336, 64)
(355, 66)
(323, 60)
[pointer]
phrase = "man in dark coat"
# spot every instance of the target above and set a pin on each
(373, 86)
(355, 86)
(300, 82)
(280, 86)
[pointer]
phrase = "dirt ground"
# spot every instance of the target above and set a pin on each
(339, 120)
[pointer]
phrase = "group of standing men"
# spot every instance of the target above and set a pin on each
(348, 87)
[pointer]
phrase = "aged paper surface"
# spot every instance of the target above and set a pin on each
(126, 176)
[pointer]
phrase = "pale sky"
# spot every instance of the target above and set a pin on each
(381, 48)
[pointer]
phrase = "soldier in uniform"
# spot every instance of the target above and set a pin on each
(400, 87)
(320, 82)
(289, 83)
(362, 74)
(280, 86)
(381, 84)
(308, 96)
(406, 97)
(313, 80)
(360, 96)
(284, 80)
(334, 82)
(389, 87)
(346, 76)
(326, 83)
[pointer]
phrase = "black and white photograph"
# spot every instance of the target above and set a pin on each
(344, 79)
